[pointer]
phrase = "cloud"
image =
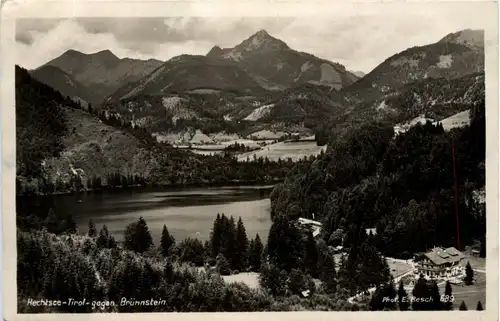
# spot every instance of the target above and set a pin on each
(359, 42)
(69, 34)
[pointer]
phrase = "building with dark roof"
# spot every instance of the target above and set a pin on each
(440, 262)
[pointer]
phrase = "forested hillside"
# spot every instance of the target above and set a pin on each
(62, 148)
(402, 185)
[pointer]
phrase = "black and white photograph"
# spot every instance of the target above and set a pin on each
(238, 163)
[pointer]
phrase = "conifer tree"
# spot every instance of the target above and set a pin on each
(137, 237)
(479, 306)
(166, 242)
(469, 274)
(241, 250)
(421, 292)
(463, 307)
(436, 303)
(228, 247)
(216, 236)
(390, 292)
(92, 229)
(256, 253)
(377, 300)
(311, 256)
(105, 239)
(284, 244)
(402, 297)
(448, 303)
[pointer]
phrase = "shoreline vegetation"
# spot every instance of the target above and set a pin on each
(264, 184)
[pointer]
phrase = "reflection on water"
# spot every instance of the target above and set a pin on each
(187, 212)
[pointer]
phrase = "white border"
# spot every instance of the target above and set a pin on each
(122, 8)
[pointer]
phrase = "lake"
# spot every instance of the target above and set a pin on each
(187, 212)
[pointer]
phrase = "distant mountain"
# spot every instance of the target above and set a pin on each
(262, 83)
(455, 56)
(358, 74)
(435, 98)
(102, 72)
(187, 72)
(65, 84)
(272, 60)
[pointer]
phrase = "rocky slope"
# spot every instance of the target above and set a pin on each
(102, 72)
(272, 60)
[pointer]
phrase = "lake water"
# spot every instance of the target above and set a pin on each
(187, 212)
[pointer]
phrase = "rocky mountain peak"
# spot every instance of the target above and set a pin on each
(261, 41)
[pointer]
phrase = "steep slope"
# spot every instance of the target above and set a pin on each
(58, 143)
(40, 124)
(64, 83)
(187, 72)
(271, 59)
(103, 72)
(94, 149)
(454, 56)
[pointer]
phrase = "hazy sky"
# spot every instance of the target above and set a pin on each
(360, 43)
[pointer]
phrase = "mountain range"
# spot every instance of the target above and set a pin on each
(95, 76)
(260, 88)
(296, 88)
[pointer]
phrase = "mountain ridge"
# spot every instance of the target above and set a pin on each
(443, 59)
(102, 72)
